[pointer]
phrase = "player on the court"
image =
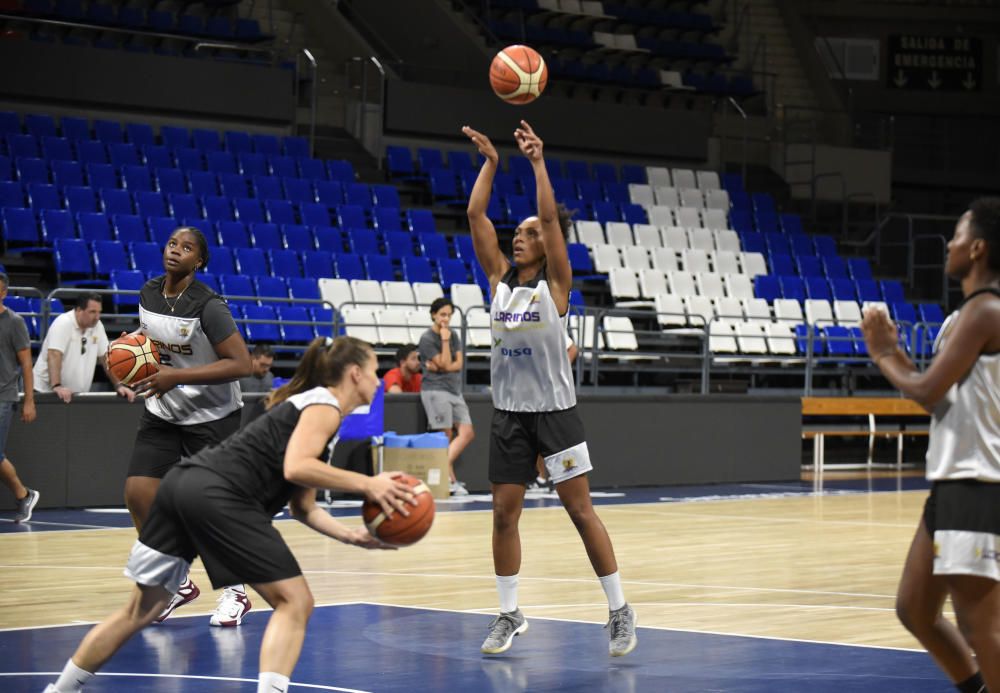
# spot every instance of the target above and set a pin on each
(193, 400)
(219, 505)
(533, 394)
(956, 550)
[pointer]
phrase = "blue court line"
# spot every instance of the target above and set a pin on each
(391, 649)
(81, 519)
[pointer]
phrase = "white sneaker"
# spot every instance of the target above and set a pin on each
(233, 605)
(457, 488)
(186, 593)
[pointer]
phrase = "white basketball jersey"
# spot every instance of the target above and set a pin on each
(529, 365)
(181, 340)
(965, 424)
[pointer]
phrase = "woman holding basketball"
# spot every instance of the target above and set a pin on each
(219, 505)
(193, 400)
(955, 549)
(533, 394)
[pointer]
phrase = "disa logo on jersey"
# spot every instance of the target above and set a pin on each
(516, 351)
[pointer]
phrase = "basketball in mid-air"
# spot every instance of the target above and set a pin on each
(132, 358)
(397, 529)
(518, 74)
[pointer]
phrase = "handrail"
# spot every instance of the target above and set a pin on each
(314, 97)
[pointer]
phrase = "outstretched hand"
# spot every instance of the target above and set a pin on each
(881, 335)
(528, 142)
(483, 143)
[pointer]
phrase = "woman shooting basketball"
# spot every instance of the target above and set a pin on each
(533, 394)
(219, 504)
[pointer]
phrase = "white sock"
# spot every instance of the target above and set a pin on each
(612, 585)
(237, 588)
(270, 682)
(72, 678)
(507, 587)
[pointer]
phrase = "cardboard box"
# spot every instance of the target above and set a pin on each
(428, 464)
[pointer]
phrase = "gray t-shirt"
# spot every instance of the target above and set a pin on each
(429, 347)
(13, 338)
(254, 384)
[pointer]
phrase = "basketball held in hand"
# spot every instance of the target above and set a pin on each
(132, 358)
(397, 529)
(518, 74)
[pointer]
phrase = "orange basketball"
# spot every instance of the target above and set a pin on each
(397, 529)
(132, 358)
(518, 74)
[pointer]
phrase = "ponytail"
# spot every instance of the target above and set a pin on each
(323, 364)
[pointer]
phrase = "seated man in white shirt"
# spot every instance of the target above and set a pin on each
(75, 343)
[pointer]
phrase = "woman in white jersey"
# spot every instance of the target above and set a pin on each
(534, 398)
(956, 550)
(219, 505)
(193, 400)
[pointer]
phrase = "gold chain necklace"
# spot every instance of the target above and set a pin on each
(176, 299)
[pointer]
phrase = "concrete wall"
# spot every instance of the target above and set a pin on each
(98, 78)
(78, 454)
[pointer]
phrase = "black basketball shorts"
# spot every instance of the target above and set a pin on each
(160, 444)
(518, 438)
(198, 514)
(962, 516)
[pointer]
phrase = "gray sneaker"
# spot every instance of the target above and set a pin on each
(621, 626)
(502, 631)
(26, 505)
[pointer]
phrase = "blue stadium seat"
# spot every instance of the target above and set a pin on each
(66, 173)
(202, 183)
(324, 321)
(579, 259)
(387, 219)
(108, 131)
(843, 289)
(157, 156)
(253, 164)
(175, 137)
(398, 244)
(315, 214)
(191, 160)
(351, 217)
(809, 266)
(781, 264)
(834, 267)
(741, 220)
(385, 195)
(838, 339)
(232, 285)
(444, 188)
(379, 268)
(817, 287)
(329, 192)
(420, 221)
(108, 256)
(792, 287)
(233, 234)
(31, 170)
(280, 211)
(210, 280)
(261, 332)
(433, 246)
(146, 257)
(169, 181)
(892, 291)
(777, 243)
(271, 287)
(577, 170)
(868, 291)
(162, 228)
(220, 162)
(825, 245)
(148, 204)
(417, 269)
(126, 280)
(284, 263)
(10, 122)
(616, 192)
(859, 268)
(250, 262)
(57, 149)
(297, 237)
(340, 170)
(519, 208)
(451, 271)
(283, 166)
(12, 194)
(248, 210)
(44, 196)
(7, 168)
(430, 159)
(791, 224)
(58, 223)
(363, 242)
(20, 228)
(767, 287)
(298, 191)
(128, 228)
(303, 288)
(752, 242)
(72, 259)
(39, 125)
(266, 144)
(73, 128)
(348, 266)
(101, 176)
(266, 236)
(603, 211)
(801, 244)
(122, 154)
(206, 140)
(233, 185)
(115, 201)
(464, 249)
(294, 333)
(23, 146)
(634, 214)
(317, 264)
(267, 188)
(358, 194)
(903, 312)
(311, 169)
(931, 313)
(140, 134)
(95, 226)
(329, 239)
(399, 162)
(182, 206)
(222, 261)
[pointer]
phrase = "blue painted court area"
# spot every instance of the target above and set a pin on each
(81, 519)
(388, 649)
